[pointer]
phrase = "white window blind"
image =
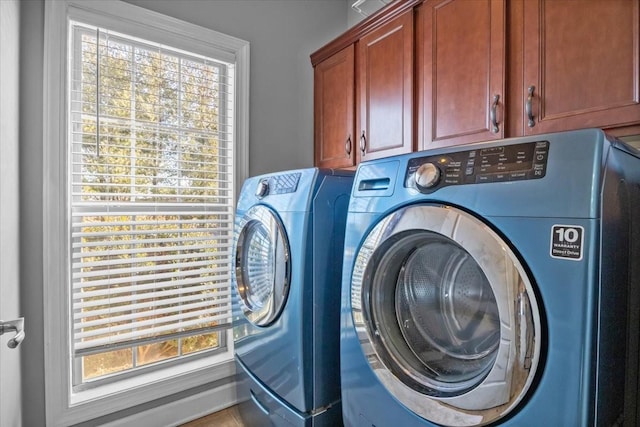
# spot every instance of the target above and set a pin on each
(151, 192)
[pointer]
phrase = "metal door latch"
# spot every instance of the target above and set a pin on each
(13, 325)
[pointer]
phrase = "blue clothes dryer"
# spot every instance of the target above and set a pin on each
(289, 237)
(494, 283)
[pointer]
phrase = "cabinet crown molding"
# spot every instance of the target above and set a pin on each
(352, 35)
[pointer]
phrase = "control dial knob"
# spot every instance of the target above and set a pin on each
(262, 189)
(427, 176)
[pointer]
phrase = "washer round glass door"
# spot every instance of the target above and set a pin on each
(262, 265)
(446, 315)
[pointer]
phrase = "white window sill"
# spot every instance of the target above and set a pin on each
(145, 388)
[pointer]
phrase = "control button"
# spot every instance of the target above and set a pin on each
(492, 177)
(542, 144)
(262, 189)
(452, 175)
(427, 176)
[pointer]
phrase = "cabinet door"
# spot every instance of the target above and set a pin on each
(581, 63)
(461, 76)
(334, 111)
(385, 72)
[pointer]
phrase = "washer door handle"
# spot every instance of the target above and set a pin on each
(524, 311)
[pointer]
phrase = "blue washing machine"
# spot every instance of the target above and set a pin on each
(494, 283)
(289, 237)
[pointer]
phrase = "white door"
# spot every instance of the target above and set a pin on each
(10, 389)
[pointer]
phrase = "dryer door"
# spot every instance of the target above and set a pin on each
(262, 265)
(446, 315)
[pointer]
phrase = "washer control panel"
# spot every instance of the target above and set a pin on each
(278, 184)
(483, 165)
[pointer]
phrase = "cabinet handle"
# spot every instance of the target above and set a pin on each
(493, 115)
(347, 146)
(528, 106)
(363, 143)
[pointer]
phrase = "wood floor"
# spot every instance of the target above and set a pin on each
(229, 417)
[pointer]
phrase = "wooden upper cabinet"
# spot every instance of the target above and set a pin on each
(385, 61)
(581, 63)
(461, 71)
(427, 74)
(334, 83)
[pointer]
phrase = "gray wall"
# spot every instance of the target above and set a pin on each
(282, 33)
(31, 63)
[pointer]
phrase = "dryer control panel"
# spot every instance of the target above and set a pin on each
(482, 165)
(278, 184)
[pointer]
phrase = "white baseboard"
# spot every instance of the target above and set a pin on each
(184, 410)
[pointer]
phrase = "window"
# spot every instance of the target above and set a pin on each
(151, 144)
(150, 206)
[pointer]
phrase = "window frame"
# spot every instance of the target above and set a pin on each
(63, 407)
